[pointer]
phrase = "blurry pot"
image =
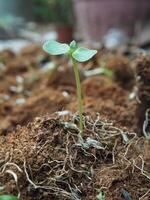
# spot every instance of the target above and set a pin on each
(64, 33)
(96, 17)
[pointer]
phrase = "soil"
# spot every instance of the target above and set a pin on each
(42, 156)
(143, 82)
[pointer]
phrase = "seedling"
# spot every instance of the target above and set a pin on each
(76, 54)
(8, 197)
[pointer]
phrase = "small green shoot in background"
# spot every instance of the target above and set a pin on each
(77, 54)
(104, 69)
(8, 197)
(100, 196)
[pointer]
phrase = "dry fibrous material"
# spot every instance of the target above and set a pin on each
(47, 160)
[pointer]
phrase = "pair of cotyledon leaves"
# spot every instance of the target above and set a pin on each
(80, 54)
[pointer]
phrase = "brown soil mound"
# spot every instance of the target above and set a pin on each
(40, 103)
(47, 161)
(123, 73)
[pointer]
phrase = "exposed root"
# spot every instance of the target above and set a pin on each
(56, 190)
(146, 123)
(132, 162)
(144, 195)
(11, 172)
(3, 167)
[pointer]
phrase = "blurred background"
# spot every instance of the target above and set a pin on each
(110, 23)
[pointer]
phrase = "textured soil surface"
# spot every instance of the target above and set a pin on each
(42, 156)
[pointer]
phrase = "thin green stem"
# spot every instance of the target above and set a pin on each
(78, 86)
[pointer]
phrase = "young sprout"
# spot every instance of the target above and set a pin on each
(76, 54)
(8, 197)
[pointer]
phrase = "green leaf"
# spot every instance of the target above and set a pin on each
(55, 48)
(73, 44)
(83, 54)
(8, 197)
